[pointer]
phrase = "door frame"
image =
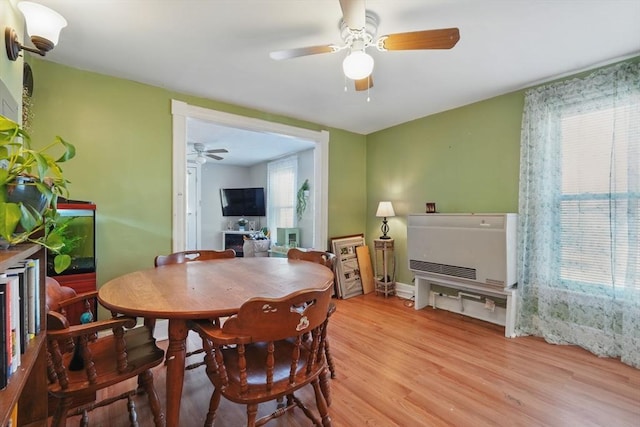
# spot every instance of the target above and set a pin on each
(181, 111)
(195, 216)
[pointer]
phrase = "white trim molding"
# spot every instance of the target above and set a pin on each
(181, 111)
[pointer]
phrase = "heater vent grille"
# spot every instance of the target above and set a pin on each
(447, 270)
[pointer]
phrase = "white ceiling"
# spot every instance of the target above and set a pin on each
(219, 49)
(245, 147)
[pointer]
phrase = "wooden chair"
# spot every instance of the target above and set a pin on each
(266, 352)
(188, 256)
(79, 362)
(195, 255)
(328, 260)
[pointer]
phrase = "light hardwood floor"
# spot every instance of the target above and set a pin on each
(400, 367)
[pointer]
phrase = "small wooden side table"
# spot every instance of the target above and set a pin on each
(385, 267)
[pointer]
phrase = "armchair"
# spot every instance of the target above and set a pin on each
(80, 361)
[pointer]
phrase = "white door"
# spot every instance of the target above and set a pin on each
(193, 209)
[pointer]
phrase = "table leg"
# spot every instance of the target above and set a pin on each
(175, 369)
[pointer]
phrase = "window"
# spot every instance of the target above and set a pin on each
(281, 190)
(599, 163)
(579, 209)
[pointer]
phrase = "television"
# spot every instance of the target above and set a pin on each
(243, 201)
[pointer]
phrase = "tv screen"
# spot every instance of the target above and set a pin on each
(242, 201)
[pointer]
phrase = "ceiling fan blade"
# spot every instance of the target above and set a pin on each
(302, 51)
(364, 84)
(217, 150)
(353, 13)
(444, 38)
(213, 156)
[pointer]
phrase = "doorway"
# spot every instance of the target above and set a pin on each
(182, 111)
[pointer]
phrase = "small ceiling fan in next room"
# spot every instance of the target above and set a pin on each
(358, 28)
(201, 153)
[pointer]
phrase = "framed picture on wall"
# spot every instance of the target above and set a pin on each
(348, 280)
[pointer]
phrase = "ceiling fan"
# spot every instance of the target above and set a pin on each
(202, 154)
(358, 28)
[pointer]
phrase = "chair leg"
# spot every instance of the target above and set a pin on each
(145, 379)
(252, 412)
(327, 354)
(133, 415)
(213, 408)
(325, 386)
(60, 415)
(321, 404)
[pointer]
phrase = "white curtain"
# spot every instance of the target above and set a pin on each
(579, 213)
(281, 188)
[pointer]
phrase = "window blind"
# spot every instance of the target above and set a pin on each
(281, 193)
(599, 209)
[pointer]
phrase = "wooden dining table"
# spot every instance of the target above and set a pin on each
(204, 290)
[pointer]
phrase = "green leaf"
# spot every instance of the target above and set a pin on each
(29, 217)
(61, 263)
(9, 219)
(70, 150)
(54, 241)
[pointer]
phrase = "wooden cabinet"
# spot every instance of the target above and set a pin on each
(28, 386)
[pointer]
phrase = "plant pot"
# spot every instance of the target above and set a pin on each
(25, 191)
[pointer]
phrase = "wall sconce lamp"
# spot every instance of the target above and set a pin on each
(385, 209)
(43, 25)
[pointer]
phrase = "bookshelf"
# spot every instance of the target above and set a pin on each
(28, 386)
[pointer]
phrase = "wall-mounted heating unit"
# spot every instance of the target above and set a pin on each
(471, 253)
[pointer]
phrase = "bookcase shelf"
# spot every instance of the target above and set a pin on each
(28, 386)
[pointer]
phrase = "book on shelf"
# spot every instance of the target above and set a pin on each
(19, 314)
(19, 271)
(10, 285)
(33, 295)
(3, 339)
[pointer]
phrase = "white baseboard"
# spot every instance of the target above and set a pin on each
(405, 291)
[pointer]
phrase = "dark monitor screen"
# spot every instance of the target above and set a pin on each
(243, 201)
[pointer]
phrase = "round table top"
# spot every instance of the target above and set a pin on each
(207, 289)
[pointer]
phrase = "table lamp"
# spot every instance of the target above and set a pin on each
(385, 209)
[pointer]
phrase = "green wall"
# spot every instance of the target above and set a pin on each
(11, 71)
(464, 160)
(123, 135)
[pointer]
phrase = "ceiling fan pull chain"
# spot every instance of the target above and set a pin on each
(369, 88)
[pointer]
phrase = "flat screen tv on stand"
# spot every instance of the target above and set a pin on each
(243, 201)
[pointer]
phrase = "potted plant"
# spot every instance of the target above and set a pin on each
(302, 199)
(30, 182)
(241, 223)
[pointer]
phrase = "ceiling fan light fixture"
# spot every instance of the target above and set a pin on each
(357, 65)
(201, 160)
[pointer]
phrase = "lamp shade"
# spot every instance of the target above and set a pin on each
(385, 209)
(357, 65)
(42, 21)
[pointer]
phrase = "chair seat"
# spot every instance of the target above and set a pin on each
(141, 350)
